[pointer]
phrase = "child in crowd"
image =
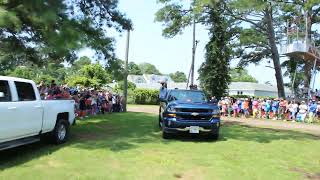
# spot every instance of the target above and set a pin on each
(303, 109)
(235, 108)
(246, 108)
(255, 108)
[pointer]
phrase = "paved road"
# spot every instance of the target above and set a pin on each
(313, 129)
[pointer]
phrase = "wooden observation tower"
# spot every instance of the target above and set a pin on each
(300, 45)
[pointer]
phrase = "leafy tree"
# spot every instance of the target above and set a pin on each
(260, 39)
(77, 65)
(120, 86)
(295, 71)
(214, 72)
(116, 69)
(241, 75)
(23, 72)
(52, 31)
(147, 68)
(178, 76)
(134, 69)
(268, 21)
(297, 10)
(93, 75)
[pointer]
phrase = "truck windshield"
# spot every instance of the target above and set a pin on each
(187, 96)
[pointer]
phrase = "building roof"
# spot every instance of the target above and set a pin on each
(152, 78)
(158, 85)
(249, 86)
(136, 79)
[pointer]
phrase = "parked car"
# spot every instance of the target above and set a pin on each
(25, 117)
(188, 111)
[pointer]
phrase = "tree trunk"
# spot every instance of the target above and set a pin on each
(308, 65)
(274, 51)
(307, 73)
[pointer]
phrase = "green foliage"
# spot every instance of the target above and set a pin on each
(178, 77)
(131, 143)
(147, 68)
(23, 72)
(93, 75)
(146, 96)
(120, 86)
(214, 72)
(53, 31)
(116, 69)
(134, 69)
(241, 75)
(82, 61)
(176, 15)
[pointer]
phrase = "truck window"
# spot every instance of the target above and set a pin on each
(25, 91)
(5, 89)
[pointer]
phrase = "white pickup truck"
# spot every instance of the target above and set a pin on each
(24, 117)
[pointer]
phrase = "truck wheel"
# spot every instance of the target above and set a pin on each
(160, 121)
(214, 136)
(60, 133)
(166, 135)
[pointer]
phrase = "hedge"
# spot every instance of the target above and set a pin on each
(146, 96)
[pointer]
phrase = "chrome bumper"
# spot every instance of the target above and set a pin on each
(188, 129)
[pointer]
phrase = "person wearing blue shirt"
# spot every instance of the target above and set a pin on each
(312, 111)
(275, 108)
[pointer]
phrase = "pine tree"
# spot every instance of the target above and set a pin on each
(214, 72)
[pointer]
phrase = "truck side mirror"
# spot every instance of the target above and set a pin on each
(162, 100)
(2, 95)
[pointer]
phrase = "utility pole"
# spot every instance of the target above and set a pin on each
(193, 51)
(125, 90)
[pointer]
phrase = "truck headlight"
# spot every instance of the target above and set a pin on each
(171, 110)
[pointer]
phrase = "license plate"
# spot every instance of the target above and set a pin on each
(194, 129)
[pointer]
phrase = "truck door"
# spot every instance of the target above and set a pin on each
(28, 110)
(7, 121)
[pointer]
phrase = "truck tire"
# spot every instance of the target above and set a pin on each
(160, 122)
(166, 135)
(60, 134)
(214, 136)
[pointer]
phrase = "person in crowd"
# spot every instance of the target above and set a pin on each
(82, 106)
(275, 109)
(312, 109)
(235, 108)
(303, 109)
(213, 99)
(318, 111)
(255, 108)
(282, 109)
(163, 90)
(246, 108)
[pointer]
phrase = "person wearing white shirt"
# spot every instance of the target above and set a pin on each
(163, 90)
(303, 109)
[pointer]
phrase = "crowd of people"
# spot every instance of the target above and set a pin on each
(275, 109)
(88, 101)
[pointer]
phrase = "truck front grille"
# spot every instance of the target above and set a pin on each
(193, 118)
(194, 110)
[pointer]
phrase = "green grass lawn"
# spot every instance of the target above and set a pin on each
(129, 146)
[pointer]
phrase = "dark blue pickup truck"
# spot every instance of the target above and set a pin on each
(188, 111)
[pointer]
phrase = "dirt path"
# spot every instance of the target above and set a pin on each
(313, 129)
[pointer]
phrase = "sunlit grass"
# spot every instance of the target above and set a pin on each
(129, 146)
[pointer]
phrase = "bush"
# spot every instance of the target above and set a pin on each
(146, 96)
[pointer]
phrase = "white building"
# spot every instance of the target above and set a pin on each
(150, 81)
(255, 89)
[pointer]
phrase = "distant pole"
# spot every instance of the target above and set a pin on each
(193, 51)
(125, 90)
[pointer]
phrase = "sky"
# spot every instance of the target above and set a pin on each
(169, 55)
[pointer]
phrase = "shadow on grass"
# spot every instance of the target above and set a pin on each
(125, 131)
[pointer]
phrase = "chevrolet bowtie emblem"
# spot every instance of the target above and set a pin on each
(194, 114)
